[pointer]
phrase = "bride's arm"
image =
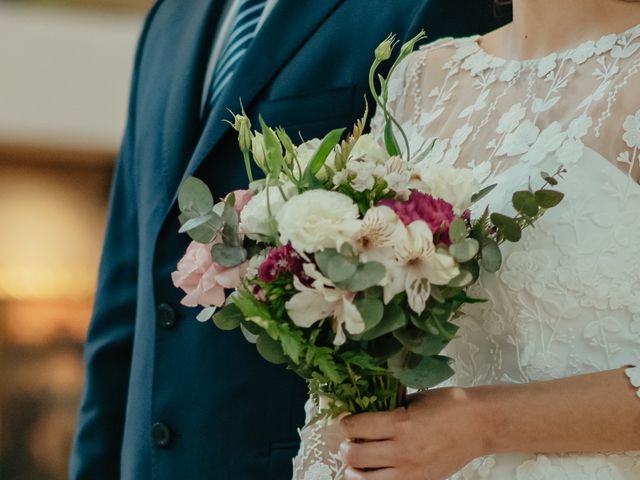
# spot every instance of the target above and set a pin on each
(442, 430)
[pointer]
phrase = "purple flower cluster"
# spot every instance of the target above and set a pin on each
(282, 260)
(435, 212)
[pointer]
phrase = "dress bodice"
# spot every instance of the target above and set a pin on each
(567, 299)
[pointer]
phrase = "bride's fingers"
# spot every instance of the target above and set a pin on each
(382, 474)
(369, 454)
(371, 426)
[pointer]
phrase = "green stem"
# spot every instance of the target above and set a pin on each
(247, 165)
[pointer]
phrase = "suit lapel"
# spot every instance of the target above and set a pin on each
(290, 24)
(181, 122)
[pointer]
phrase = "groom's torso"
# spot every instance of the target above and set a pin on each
(201, 402)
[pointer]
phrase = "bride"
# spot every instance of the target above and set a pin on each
(544, 379)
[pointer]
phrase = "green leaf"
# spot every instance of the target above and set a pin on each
(205, 233)
(394, 317)
(458, 230)
(491, 259)
(270, 349)
(324, 359)
(195, 196)
(548, 198)
(340, 269)
(323, 258)
(421, 343)
(390, 141)
(367, 275)
(464, 279)
(230, 231)
(371, 309)
(228, 256)
(549, 179)
(329, 142)
(507, 226)
(427, 372)
(196, 222)
(525, 203)
(465, 250)
(228, 318)
(482, 193)
(385, 347)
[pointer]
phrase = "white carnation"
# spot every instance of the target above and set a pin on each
(318, 219)
(367, 147)
(455, 185)
(254, 218)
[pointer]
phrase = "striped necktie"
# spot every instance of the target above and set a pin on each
(243, 31)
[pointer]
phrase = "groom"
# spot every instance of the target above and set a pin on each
(167, 398)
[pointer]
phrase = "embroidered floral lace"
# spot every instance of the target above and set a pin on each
(567, 300)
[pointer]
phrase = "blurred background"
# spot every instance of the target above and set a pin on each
(64, 81)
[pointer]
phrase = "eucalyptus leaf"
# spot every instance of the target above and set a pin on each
(194, 195)
(367, 275)
(463, 279)
(465, 250)
(205, 233)
(491, 259)
(548, 198)
(323, 258)
(429, 372)
(394, 317)
(371, 309)
(385, 347)
(270, 349)
(228, 317)
(421, 343)
(525, 202)
(458, 230)
(195, 222)
(507, 226)
(228, 256)
(341, 268)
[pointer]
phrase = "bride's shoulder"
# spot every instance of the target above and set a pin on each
(442, 54)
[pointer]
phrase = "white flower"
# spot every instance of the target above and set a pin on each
(632, 130)
(323, 300)
(318, 219)
(398, 174)
(418, 265)
(380, 228)
(580, 126)
(547, 142)
(510, 120)
(255, 222)
(367, 147)
(605, 44)
(364, 171)
(455, 185)
(259, 150)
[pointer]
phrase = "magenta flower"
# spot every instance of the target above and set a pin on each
(281, 260)
(435, 212)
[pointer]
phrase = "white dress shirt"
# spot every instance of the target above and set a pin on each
(225, 24)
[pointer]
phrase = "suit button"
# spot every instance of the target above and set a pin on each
(166, 316)
(160, 435)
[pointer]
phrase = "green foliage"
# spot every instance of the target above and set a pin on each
(508, 228)
(491, 259)
(270, 349)
(525, 202)
(548, 198)
(228, 317)
(464, 250)
(419, 372)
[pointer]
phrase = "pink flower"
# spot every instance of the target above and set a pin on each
(435, 212)
(282, 260)
(242, 198)
(203, 280)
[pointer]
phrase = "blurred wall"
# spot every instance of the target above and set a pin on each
(64, 81)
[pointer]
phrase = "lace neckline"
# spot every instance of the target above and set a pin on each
(470, 46)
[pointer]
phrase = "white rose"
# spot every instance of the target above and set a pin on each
(318, 219)
(254, 218)
(367, 147)
(455, 185)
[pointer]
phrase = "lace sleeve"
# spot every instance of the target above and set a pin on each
(634, 377)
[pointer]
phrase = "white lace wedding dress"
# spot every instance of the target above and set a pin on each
(567, 300)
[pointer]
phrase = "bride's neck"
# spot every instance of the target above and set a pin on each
(541, 27)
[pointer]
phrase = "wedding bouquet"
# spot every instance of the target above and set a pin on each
(350, 260)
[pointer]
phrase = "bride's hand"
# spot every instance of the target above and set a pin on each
(436, 435)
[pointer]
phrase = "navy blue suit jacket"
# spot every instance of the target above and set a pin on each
(167, 397)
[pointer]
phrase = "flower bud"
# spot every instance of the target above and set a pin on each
(383, 52)
(259, 150)
(242, 125)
